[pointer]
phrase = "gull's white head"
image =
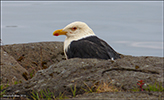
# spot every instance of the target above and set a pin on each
(75, 30)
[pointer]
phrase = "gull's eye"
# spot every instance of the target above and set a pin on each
(74, 28)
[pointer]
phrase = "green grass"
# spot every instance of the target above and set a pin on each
(135, 89)
(61, 96)
(73, 91)
(3, 92)
(3, 86)
(43, 94)
(156, 87)
(32, 74)
(46, 95)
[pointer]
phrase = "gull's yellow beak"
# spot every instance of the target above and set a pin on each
(59, 32)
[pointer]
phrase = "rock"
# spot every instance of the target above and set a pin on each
(116, 96)
(6, 99)
(122, 73)
(11, 70)
(36, 56)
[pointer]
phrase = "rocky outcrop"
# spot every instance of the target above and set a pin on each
(124, 73)
(36, 56)
(11, 71)
(118, 96)
(88, 78)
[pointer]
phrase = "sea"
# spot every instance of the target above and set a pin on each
(130, 27)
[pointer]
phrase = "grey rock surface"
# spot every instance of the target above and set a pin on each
(123, 73)
(11, 71)
(58, 75)
(36, 56)
(117, 96)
